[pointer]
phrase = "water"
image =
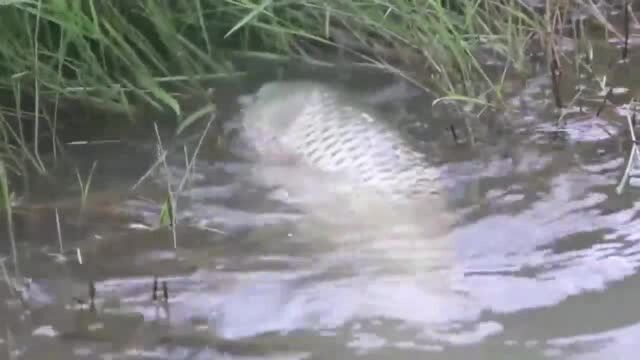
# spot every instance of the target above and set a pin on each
(541, 262)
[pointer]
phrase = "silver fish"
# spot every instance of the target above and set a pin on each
(329, 130)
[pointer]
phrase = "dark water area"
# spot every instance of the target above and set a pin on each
(543, 263)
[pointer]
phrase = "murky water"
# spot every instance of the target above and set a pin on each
(541, 261)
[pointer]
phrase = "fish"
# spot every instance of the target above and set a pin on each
(330, 131)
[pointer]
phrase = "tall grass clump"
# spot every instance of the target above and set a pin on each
(118, 54)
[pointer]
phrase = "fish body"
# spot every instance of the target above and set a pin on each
(328, 130)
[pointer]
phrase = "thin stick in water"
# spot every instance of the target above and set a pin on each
(92, 295)
(4, 186)
(627, 21)
(172, 200)
(154, 290)
(58, 227)
(631, 160)
(5, 274)
(159, 161)
(627, 171)
(453, 133)
(195, 152)
(36, 66)
(84, 187)
(555, 81)
(165, 291)
(604, 101)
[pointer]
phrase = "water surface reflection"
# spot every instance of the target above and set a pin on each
(540, 262)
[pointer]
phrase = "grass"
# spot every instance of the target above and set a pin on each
(634, 154)
(6, 197)
(120, 55)
(117, 53)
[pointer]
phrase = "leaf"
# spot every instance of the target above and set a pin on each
(12, 2)
(164, 96)
(209, 108)
(5, 196)
(167, 213)
(249, 16)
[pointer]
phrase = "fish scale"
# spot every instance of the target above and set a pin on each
(325, 128)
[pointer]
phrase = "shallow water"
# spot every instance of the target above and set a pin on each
(542, 261)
